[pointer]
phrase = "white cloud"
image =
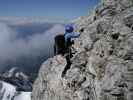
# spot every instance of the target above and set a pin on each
(11, 48)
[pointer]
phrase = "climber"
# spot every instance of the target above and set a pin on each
(67, 40)
(64, 42)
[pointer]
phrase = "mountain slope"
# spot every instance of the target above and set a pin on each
(15, 85)
(8, 92)
(102, 69)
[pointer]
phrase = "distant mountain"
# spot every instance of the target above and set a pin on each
(15, 85)
(16, 73)
(8, 92)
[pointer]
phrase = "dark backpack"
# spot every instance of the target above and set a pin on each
(59, 46)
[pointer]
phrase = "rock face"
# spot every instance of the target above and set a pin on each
(102, 69)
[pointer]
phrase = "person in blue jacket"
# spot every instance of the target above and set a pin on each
(70, 35)
(64, 42)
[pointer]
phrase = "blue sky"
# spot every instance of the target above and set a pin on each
(65, 9)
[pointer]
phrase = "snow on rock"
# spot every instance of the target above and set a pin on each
(8, 92)
(23, 96)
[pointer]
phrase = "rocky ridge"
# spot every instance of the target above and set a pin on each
(102, 68)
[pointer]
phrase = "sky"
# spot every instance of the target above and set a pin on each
(64, 9)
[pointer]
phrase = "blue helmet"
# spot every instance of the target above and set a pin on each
(69, 28)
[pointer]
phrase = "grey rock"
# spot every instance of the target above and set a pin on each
(102, 69)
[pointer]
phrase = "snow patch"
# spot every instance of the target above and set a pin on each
(8, 92)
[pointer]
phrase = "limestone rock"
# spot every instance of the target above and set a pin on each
(102, 68)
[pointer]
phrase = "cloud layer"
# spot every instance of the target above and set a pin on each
(12, 48)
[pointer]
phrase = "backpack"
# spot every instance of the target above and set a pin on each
(59, 45)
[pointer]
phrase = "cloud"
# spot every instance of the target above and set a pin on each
(12, 48)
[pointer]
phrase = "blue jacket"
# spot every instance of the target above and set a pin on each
(71, 35)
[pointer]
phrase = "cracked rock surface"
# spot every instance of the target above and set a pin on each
(102, 68)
